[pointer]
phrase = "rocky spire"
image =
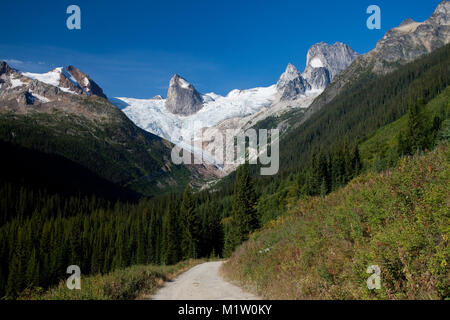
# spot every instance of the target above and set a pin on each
(323, 63)
(334, 58)
(84, 81)
(182, 98)
(291, 83)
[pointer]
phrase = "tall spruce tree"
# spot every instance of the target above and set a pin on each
(189, 226)
(171, 235)
(415, 137)
(244, 218)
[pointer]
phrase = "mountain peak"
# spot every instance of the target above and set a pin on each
(84, 81)
(441, 15)
(334, 58)
(68, 79)
(407, 21)
(182, 98)
(291, 83)
(400, 44)
(178, 80)
(291, 68)
(289, 74)
(4, 67)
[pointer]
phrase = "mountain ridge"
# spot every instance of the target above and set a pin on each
(239, 109)
(87, 130)
(400, 45)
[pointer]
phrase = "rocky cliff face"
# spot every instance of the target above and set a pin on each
(323, 63)
(85, 82)
(410, 40)
(333, 58)
(291, 83)
(182, 98)
(55, 90)
(406, 43)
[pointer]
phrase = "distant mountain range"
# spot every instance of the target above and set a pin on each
(329, 68)
(65, 112)
(186, 113)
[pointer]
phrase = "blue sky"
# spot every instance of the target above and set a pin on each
(132, 48)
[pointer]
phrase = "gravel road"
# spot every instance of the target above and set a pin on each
(202, 282)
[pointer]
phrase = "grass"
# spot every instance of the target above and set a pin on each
(321, 248)
(135, 282)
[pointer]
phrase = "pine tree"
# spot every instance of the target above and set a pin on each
(415, 138)
(244, 217)
(141, 257)
(32, 273)
(188, 225)
(171, 235)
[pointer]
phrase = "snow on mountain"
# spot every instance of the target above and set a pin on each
(316, 63)
(52, 77)
(68, 79)
(153, 116)
(188, 115)
(16, 82)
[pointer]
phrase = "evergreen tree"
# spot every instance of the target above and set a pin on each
(188, 225)
(244, 217)
(171, 235)
(415, 138)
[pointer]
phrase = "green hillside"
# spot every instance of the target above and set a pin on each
(112, 147)
(365, 106)
(380, 149)
(320, 249)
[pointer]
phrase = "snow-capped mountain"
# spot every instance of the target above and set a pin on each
(186, 114)
(154, 116)
(25, 92)
(68, 79)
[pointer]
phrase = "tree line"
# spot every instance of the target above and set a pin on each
(51, 232)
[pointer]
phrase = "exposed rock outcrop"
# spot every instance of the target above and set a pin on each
(182, 98)
(323, 63)
(334, 58)
(291, 83)
(403, 44)
(88, 85)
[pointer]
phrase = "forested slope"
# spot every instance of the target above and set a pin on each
(322, 247)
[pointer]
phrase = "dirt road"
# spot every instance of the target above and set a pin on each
(202, 282)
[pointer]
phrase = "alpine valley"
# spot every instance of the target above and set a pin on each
(87, 179)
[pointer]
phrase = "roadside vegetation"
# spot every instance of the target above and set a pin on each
(321, 248)
(135, 282)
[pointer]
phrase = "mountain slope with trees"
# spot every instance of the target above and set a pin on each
(87, 130)
(322, 247)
